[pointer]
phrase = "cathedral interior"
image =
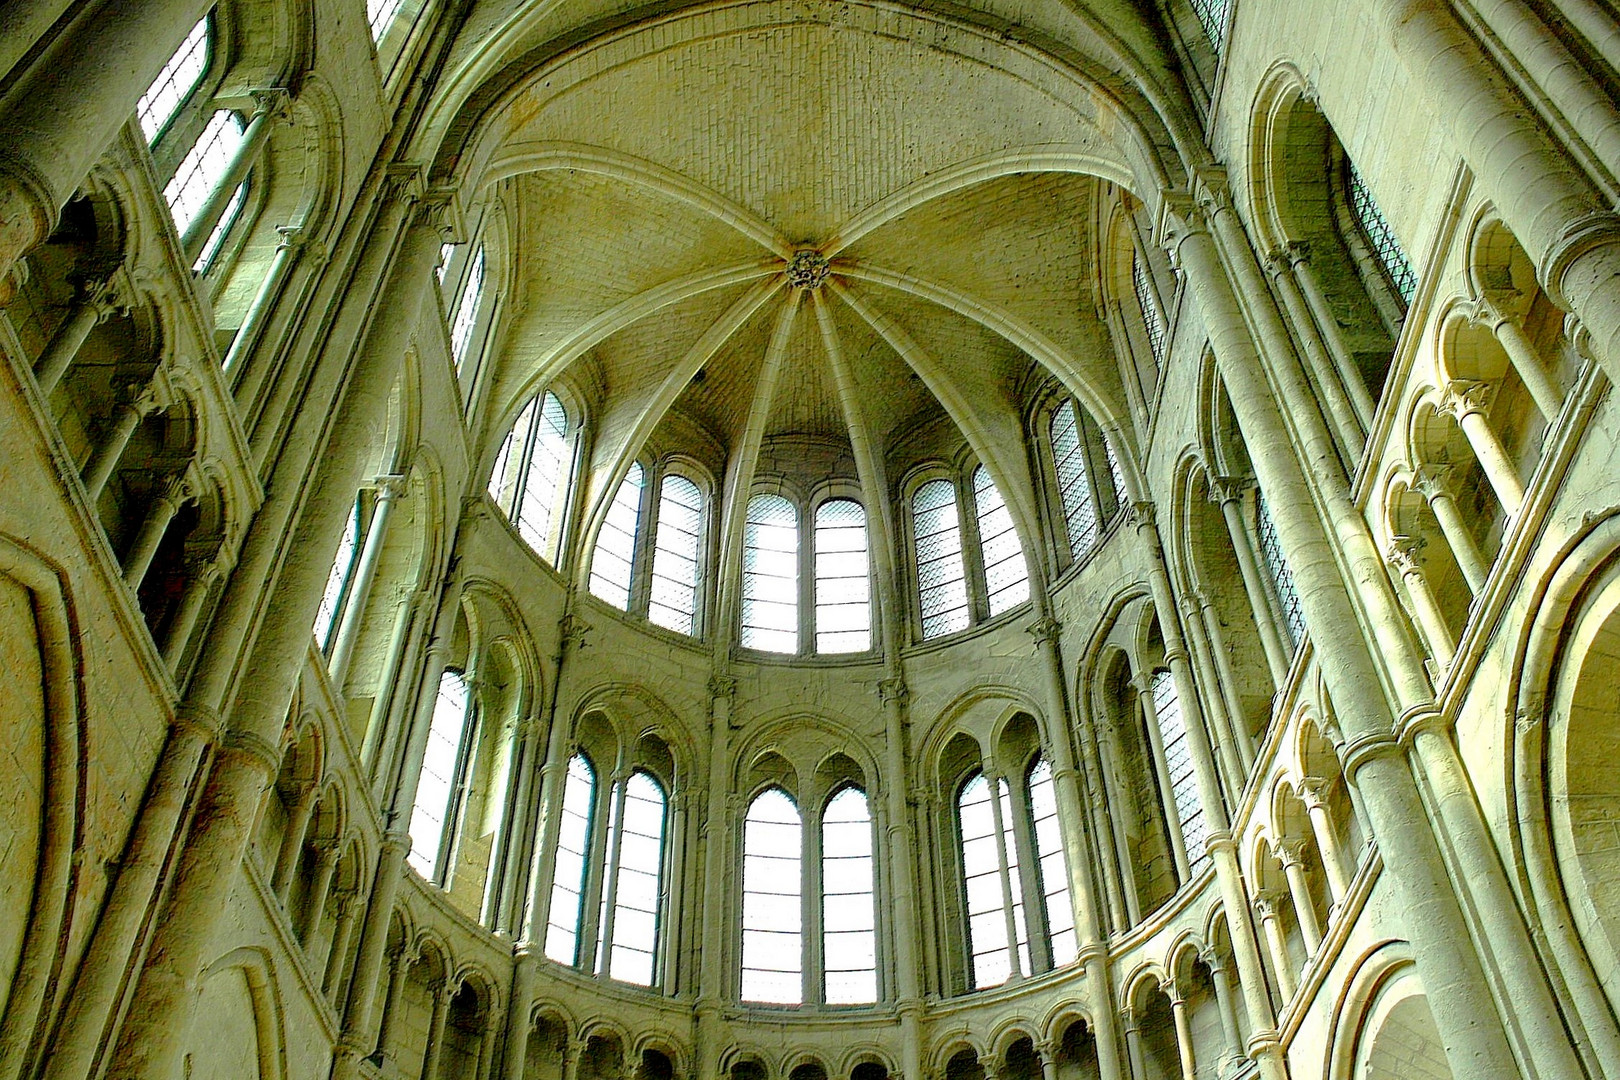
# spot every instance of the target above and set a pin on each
(809, 539)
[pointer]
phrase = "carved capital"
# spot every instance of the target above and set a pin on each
(1405, 555)
(1225, 489)
(272, 101)
(1045, 629)
(894, 690)
(573, 631)
(389, 486)
(1180, 217)
(722, 687)
(1140, 513)
(1433, 481)
(1290, 852)
(1463, 397)
(1211, 189)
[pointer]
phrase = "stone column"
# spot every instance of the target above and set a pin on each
(1228, 492)
(167, 503)
(486, 1044)
(1466, 402)
(93, 303)
(1222, 983)
(1133, 1042)
(1290, 853)
(902, 866)
(292, 840)
(1282, 964)
(1311, 792)
(1009, 899)
(1498, 313)
(376, 749)
(600, 948)
(1458, 989)
(1305, 285)
(1226, 680)
(326, 857)
(348, 905)
(518, 1020)
(716, 873)
(1184, 1042)
(399, 966)
(1403, 559)
(138, 403)
(70, 105)
(442, 988)
(1048, 1051)
(204, 577)
(269, 106)
(1225, 733)
(289, 249)
(1161, 769)
(365, 572)
(1432, 482)
(1334, 385)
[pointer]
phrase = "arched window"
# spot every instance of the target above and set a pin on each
(613, 562)
(466, 317)
(843, 578)
(848, 910)
(1213, 15)
(177, 81)
(530, 480)
(444, 770)
(990, 879)
(201, 171)
(336, 594)
(1178, 765)
(772, 917)
(942, 595)
(1282, 578)
(1080, 517)
(1006, 576)
(676, 555)
(770, 600)
(627, 944)
(1386, 248)
(380, 14)
(1054, 863)
(1152, 318)
(1116, 475)
(568, 870)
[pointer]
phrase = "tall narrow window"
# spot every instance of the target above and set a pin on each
(1054, 865)
(1152, 319)
(1006, 576)
(772, 915)
(466, 317)
(848, 916)
(380, 15)
(673, 603)
(1212, 14)
(203, 167)
(337, 580)
(843, 578)
(1073, 483)
(629, 927)
(433, 816)
(1385, 247)
(1178, 763)
(941, 575)
(981, 872)
(568, 872)
(175, 83)
(770, 601)
(543, 479)
(1015, 879)
(222, 228)
(614, 559)
(1282, 578)
(1116, 475)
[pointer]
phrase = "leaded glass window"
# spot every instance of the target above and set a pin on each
(1006, 576)
(630, 911)
(568, 870)
(203, 167)
(1116, 475)
(772, 916)
(848, 911)
(1282, 578)
(676, 555)
(1385, 247)
(843, 578)
(614, 559)
(433, 815)
(529, 481)
(1178, 764)
(1152, 318)
(941, 574)
(380, 14)
(770, 600)
(334, 596)
(1212, 14)
(466, 317)
(176, 82)
(984, 884)
(1073, 481)
(1054, 865)
(216, 239)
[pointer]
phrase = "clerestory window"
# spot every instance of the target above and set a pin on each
(843, 611)
(1147, 299)
(613, 561)
(958, 584)
(380, 15)
(440, 787)
(200, 173)
(531, 478)
(770, 594)
(339, 580)
(465, 320)
(177, 81)
(1386, 247)
(1277, 568)
(627, 927)
(677, 555)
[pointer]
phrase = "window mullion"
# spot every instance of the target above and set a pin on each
(967, 517)
(610, 881)
(646, 542)
(1030, 880)
(595, 873)
(458, 786)
(815, 980)
(1014, 961)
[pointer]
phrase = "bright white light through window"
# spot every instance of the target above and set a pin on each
(446, 250)
(1015, 880)
(614, 559)
(379, 14)
(175, 82)
(770, 604)
(1074, 485)
(941, 575)
(1116, 475)
(673, 603)
(848, 927)
(1006, 576)
(216, 239)
(436, 786)
(461, 327)
(981, 873)
(337, 580)
(543, 479)
(568, 871)
(1054, 864)
(1178, 762)
(772, 919)
(637, 883)
(202, 168)
(1152, 321)
(843, 578)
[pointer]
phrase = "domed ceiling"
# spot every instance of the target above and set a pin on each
(794, 239)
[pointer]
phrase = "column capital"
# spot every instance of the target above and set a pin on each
(573, 632)
(1140, 513)
(722, 687)
(1044, 629)
(1171, 988)
(1211, 187)
(1405, 555)
(1265, 903)
(1312, 791)
(274, 102)
(1463, 397)
(389, 486)
(892, 689)
(1225, 489)
(1180, 219)
(1290, 852)
(1432, 480)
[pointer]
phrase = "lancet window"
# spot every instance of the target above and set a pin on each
(465, 320)
(440, 788)
(958, 582)
(533, 474)
(1086, 502)
(1282, 578)
(1386, 248)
